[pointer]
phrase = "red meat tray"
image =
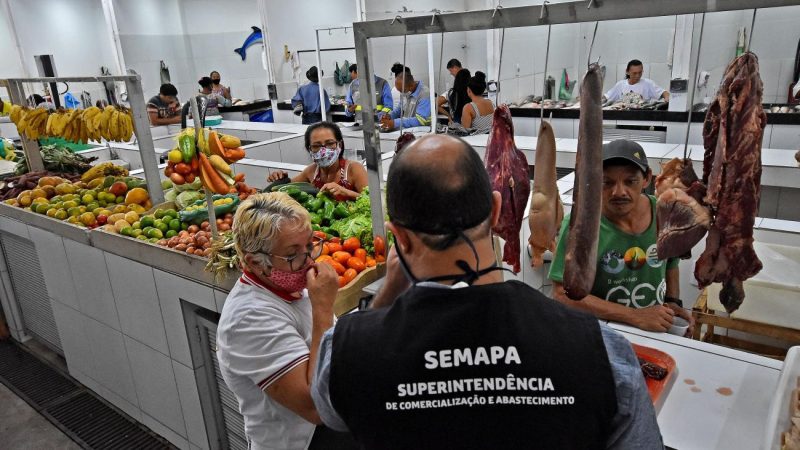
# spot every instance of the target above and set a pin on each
(657, 388)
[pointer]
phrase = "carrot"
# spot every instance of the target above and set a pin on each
(239, 176)
(216, 182)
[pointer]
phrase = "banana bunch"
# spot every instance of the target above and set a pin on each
(74, 129)
(31, 123)
(103, 170)
(114, 123)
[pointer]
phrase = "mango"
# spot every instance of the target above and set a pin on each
(136, 196)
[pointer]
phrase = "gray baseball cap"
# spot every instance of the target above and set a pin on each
(628, 150)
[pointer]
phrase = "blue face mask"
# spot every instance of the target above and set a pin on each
(325, 156)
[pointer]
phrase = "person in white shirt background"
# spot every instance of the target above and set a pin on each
(633, 83)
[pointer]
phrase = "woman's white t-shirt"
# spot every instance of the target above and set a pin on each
(646, 87)
(260, 338)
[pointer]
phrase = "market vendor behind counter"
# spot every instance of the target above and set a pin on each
(634, 87)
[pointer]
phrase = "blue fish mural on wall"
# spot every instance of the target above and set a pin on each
(255, 37)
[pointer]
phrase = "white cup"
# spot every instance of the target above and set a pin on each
(679, 326)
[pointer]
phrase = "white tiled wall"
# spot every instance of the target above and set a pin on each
(190, 403)
(90, 275)
(111, 367)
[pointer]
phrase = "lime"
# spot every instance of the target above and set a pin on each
(175, 224)
(102, 203)
(126, 231)
(155, 233)
(40, 208)
(152, 240)
(184, 226)
(92, 206)
(97, 211)
(57, 199)
(171, 234)
(141, 237)
(51, 212)
(159, 213)
(163, 227)
(61, 214)
(146, 230)
(136, 233)
(70, 204)
(87, 198)
(137, 225)
(171, 213)
(119, 199)
(147, 221)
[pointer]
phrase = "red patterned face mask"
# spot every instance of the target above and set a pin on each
(289, 281)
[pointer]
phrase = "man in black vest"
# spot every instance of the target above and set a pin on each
(455, 357)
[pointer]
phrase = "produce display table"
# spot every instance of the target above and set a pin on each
(720, 397)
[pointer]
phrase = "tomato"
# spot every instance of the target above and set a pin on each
(380, 259)
(334, 247)
(351, 244)
(190, 177)
(341, 257)
(326, 249)
(342, 282)
(349, 274)
(320, 235)
(336, 266)
(183, 168)
(324, 258)
(356, 263)
(361, 254)
(370, 261)
(336, 240)
(380, 245)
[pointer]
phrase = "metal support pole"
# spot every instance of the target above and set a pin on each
(262, 10)
(12, 28)
(431, 91)
(319, 84)
(372, 141)
(31, 148)
(141, 126)
(694, 86)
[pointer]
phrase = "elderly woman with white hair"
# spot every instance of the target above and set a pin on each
(273, 319)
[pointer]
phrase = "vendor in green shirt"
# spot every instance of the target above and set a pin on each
(631, 284)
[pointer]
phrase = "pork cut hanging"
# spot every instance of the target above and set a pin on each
(546, 212)
(682, 218)
(732, 134)
(580, 261)
(508, 172)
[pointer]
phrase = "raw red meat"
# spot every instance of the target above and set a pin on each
(681, 216)
(403, 141)
(732, 137)
(508, 172)
(580, 260)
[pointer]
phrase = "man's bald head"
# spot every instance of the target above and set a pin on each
(438, 185)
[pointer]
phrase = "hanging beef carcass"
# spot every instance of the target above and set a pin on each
(508, 172)
(580, 261)
(682, 218)
(546, 212)
(732, 134)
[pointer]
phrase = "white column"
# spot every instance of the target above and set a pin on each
(267, 53)
(113, 34)
(431, 83)
(12, 28)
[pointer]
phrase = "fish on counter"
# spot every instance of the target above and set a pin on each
(681, 217)
(580, 261)
(732, 136)
(508, 172)
(546, 212)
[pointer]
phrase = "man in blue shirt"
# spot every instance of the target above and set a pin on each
(414, 107)
(383, 95)
(306, 100)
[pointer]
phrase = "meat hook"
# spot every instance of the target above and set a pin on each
(752, 27)
(591, 46)
(497, 8)
(545, 12)
(397, 17)
(433, 17)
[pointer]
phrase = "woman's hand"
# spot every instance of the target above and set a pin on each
(336, 189)
(323, 285)
(277, 175)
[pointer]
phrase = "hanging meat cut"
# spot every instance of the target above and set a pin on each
(732, 134)
(508, 172)
(546, 210)
(403, 141)
(682, 218)
(580, 261)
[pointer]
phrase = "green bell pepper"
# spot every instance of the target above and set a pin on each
(316, 204)
(340, 212)
(315, 218)
(329, 231)
(327, 210)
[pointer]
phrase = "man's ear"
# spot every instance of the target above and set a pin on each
(497, 203)
(648, 178)
(401, 236)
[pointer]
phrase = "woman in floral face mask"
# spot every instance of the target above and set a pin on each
(273, 319)
(331, 172)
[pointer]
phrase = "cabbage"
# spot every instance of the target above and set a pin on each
(196, 185)
(170, 195)
(186, 198)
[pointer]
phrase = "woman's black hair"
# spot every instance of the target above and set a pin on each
(337, 134)
(631, 63)
(215, 72)
(205, 82)
(477, 84)
(458, 95)
(397, 69)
